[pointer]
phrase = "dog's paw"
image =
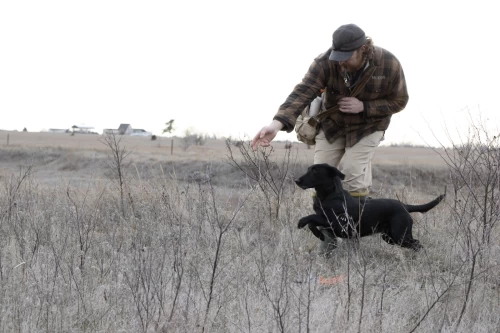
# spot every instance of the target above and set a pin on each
(303, 222)
(416, 246)
(387, 239)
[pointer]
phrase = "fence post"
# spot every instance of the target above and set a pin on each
(172, 147)
(8, 138)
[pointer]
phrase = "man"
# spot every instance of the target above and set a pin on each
(348, 137)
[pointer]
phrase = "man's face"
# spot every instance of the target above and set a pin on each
(355, 62)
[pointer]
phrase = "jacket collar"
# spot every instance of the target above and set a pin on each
(377, 57)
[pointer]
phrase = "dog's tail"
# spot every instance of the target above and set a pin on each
(425, 207)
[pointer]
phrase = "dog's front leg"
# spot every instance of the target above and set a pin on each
(316, 232)
(313, 221)
(310, 219)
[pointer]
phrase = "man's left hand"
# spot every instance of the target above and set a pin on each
(350, 105)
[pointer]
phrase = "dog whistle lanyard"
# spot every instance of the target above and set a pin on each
(347, 79)
(357, 75)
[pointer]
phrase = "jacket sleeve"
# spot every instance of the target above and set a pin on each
(395, 100)
(303, 94)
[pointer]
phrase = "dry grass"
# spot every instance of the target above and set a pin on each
(198, 247)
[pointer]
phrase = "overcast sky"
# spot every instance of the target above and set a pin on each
(224, 67)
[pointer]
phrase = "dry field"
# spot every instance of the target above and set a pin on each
(66, 155)
(140, 239)
(211, 150)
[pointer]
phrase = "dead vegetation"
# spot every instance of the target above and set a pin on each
(212, 246)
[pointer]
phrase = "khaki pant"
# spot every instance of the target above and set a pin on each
(354, 162)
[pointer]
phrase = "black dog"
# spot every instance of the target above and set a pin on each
(349, 217)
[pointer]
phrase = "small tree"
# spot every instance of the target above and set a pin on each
(117, 155)
(170, 127)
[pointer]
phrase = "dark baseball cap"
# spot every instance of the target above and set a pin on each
(346, 39)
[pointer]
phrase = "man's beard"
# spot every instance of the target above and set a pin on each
(350, 69)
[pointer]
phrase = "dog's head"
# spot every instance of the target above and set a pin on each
(319, 175)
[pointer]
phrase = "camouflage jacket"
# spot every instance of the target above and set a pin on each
(384, 94)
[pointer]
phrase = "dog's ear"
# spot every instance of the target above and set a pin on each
(336, 172)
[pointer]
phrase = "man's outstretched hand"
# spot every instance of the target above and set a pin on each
(266, 135)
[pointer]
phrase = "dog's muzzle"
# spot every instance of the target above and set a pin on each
(300, 183)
